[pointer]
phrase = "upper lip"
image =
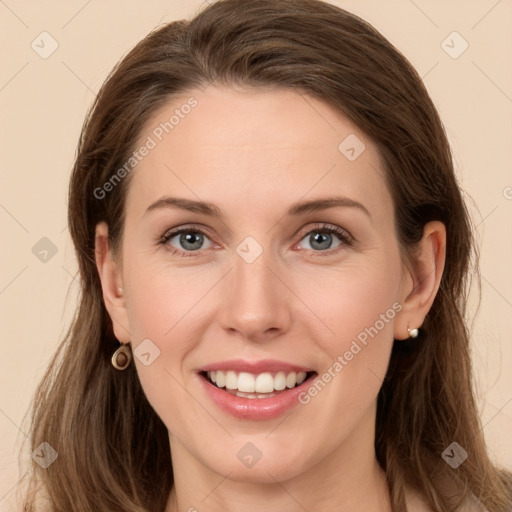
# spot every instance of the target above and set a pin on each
(265, 365)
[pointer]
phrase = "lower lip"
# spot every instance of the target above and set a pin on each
(255, 408)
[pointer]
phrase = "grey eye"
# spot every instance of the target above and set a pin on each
(321, 240)
(189, 241)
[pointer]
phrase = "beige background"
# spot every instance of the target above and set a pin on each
(43, 103)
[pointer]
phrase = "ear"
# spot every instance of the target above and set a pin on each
(421, 279)
(111, 283)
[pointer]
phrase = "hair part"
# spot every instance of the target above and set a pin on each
(113, 448)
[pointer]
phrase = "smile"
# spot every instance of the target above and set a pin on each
(248, 385)
(255, 390)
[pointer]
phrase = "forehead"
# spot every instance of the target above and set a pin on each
(254, 148)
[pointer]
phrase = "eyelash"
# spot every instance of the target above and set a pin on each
(185, 229)
(346, 239)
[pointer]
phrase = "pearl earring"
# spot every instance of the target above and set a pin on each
(413, 333)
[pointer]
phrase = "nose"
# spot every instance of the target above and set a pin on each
(257, 303)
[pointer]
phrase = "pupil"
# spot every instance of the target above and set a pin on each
(191, 238)
(324, 239)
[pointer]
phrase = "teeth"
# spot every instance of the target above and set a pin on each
(264, 383)
(220, 379)
(231, 380)
(291, 380)
(280, 381)
(252, 386)
(246, 383)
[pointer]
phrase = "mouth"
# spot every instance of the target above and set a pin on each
(261, 390)
(255, 390)
(259, 386)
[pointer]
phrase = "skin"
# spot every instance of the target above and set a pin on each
(253, 153)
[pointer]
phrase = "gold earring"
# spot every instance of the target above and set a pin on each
(413, 333)
(122, 358)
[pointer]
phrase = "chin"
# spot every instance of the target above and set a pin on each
(250, 464)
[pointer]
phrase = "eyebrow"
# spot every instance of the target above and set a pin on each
(300, 208)
(185, 204)
(323, 203)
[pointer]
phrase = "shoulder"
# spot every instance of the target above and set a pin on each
(416, 502)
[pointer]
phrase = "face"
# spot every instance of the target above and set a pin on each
(268, 284)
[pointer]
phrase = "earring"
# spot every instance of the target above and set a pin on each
(413, 333)
(121, 358)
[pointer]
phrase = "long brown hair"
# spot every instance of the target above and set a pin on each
(113, 448)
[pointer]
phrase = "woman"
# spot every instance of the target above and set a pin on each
(274, 258)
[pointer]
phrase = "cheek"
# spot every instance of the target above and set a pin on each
(163, 299)
(357, 307)
(164, 305)
(357, 301)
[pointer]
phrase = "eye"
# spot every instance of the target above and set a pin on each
(322, 238)
(186, 240)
